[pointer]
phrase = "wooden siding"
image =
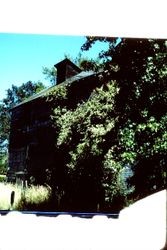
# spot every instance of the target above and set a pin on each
(31, 143)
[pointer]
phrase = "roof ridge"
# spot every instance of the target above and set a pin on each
(70, 80)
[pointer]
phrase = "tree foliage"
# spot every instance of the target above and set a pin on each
(50, 74)
(3, 162)
(141, 106)
(121, 127)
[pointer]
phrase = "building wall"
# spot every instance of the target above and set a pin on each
(31, 144)
(29, 137)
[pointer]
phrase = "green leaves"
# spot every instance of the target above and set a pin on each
(121, 127)
(50, 74)
(82, 132)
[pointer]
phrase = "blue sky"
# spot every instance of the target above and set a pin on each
(22, 56)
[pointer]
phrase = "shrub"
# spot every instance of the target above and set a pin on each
(2, 178)
(33, 197)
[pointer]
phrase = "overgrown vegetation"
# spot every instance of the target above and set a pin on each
(111, 148)
(30, 198)
(2, 178)
(121, 127)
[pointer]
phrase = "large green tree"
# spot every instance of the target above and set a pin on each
(141, 106)
(121, 127)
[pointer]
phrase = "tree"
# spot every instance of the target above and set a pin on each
(14, 96)
(3, 162)
(121, 127)
(141, 106)
(50, 74)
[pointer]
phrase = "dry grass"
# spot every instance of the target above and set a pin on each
(24, 198)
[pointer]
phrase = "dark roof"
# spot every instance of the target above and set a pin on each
(70, 80)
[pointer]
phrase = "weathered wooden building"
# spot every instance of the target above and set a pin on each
(31, 144)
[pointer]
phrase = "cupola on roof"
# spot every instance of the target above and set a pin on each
(65, 70)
